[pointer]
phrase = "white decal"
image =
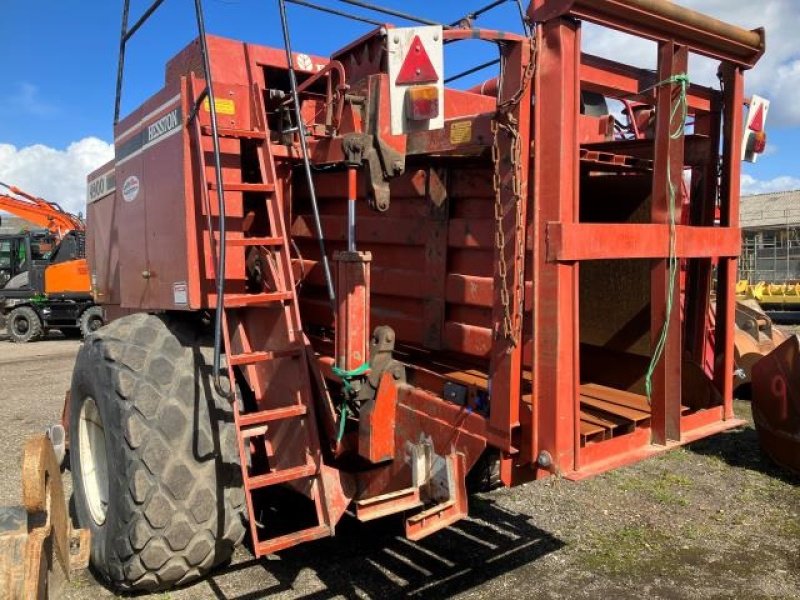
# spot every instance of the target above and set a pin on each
(130, 189)
(304, 62)
(180, 293)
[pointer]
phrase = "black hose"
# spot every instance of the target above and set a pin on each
(220, 283)
(306, 163)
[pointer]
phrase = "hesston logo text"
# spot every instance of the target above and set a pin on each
(164, 125)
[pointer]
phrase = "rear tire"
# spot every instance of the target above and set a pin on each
(144, 412)
(23, 325)
(91, 320)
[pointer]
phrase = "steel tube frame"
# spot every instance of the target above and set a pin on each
(667, 171)
(559, 242)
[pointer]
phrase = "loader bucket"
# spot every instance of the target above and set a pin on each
(776, 403)
(755, 336)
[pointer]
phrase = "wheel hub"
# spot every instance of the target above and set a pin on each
(93, 460)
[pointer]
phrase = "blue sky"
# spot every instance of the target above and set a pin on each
(58, 65)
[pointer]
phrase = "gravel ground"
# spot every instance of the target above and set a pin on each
(714, 520)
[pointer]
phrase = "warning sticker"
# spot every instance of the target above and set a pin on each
(180, 293)
(225, 106)
(461, 132)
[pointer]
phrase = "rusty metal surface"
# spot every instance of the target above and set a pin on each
(38, 547)
(776, 403)
(662, 20)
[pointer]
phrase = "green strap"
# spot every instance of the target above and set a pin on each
(346, 376)
(681, 106)
(342, 421)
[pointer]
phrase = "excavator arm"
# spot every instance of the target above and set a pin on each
(48, 215)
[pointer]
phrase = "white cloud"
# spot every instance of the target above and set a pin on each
(55, 175)
(751, 185)
(777, 75)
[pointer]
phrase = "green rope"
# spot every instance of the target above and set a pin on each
(681, 106)
(346, 376)
(342, 421)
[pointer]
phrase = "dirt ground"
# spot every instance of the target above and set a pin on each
(713, 520)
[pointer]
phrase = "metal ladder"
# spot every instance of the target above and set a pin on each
(277, 436)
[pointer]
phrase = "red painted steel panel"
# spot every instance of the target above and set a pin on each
(595, 241)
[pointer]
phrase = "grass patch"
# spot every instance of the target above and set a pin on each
(665, 488)
(626, 549)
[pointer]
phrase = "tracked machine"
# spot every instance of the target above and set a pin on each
(339, 286)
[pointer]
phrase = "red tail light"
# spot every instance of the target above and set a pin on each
(422, 103)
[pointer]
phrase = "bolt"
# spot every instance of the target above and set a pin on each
(544, 460)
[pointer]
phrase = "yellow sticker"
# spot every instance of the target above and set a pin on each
(461, 132)
(225, 106)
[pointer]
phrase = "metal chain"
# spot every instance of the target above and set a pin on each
(504, 121)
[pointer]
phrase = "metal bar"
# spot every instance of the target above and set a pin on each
(146, 15)
(733, 86)
(333, 11)
(391, 12)
(662, 21)
(555, 438)
(568, 242)
(352, 184)
(472, 70)
(220, 274)
(698, 287)
(667, 178)
(512, 160)
(121, 63)
(306, 162)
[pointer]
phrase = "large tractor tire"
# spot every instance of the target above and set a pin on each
(154, 458)
(24, 325)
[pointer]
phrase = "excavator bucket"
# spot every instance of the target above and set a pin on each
(776, 403)
(755, 336)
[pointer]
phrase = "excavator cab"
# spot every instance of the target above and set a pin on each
(21, 253)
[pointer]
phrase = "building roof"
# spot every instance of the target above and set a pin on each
(777, 209)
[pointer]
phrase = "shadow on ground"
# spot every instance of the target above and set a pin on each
(740, 448)
(375, 560)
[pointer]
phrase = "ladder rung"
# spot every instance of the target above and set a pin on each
(228, 132)
(282, 476)
(255, 241)
(277, 544)
(273, 414)
(242, 300)
(248, 358)
(244, 187)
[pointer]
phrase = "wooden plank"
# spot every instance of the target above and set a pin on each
(630, 414)
(621, 397)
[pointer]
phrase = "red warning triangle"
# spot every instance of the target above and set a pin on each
(757, 124)
(417, 66)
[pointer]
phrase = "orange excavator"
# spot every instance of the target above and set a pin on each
(44, 279)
